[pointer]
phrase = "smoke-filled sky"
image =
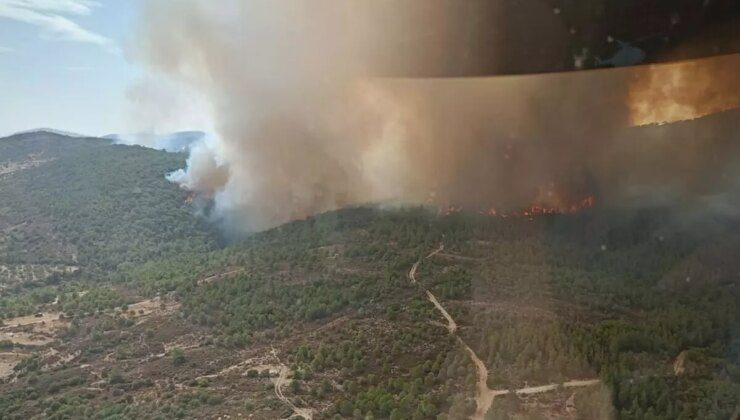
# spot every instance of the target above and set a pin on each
(307, 111)
(308, 119)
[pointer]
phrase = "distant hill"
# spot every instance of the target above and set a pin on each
(172, 142)
(49, 131)
(87, 202)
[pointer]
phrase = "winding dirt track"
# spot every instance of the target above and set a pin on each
(436, 251)
(484, 395)
(280, 382)
(451, 324)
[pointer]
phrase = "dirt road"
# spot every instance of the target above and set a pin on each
(484, 395)
(412, 271)
(436, 251)
(280, 382)
(451, 324)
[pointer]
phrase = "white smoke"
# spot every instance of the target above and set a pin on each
(303, 126)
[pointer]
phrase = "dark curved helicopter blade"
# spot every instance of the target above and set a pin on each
(496, 37)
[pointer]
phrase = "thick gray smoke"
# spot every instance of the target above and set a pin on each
(305, 124)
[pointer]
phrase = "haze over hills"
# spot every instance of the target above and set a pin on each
(180, 141)
(49, 130)
(172, 142)
(119, 300)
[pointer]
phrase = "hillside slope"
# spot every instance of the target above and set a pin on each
(85, 206)
(357, 313)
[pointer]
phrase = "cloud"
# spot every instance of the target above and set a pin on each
(78, 7)
(5, 49)
(48, 16)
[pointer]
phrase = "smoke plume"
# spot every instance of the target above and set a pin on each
(309, 117)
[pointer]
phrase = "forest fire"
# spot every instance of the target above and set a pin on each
(529, 212)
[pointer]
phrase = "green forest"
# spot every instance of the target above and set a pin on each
(639, 299)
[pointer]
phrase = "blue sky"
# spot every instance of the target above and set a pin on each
(63, 64)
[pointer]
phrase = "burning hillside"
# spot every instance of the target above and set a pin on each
(530, 212)
(305, 127)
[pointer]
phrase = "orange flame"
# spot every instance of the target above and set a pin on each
(530, 212)
(666, 93)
